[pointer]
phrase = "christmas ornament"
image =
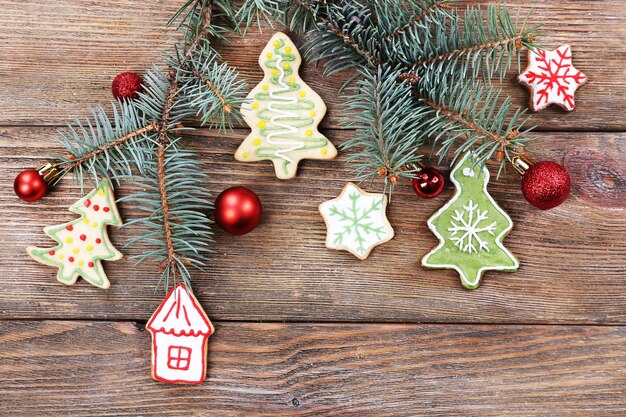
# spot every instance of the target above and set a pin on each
(126, 85)
(180, 331)
(428, 182)
(238, 210)
(551, 78)
(30, 186)
(545, 184)
(284, 113)
(470, 228)
(84, 242)
(356, 221)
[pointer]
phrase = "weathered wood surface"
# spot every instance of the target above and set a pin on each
(58, 57)
(524, 344)
(282, 271)
(54, 368)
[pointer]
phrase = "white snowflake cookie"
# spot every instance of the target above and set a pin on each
(356, 221)
(551, 78)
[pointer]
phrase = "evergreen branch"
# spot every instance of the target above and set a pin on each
(258, 10)
(418, 18)
(227, 107)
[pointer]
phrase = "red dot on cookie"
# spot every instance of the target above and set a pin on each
(90, 264)
(83, 237)
(96, 207)
(87, 203)
(69, 227)
(71, 259)
(106, 209)
(98, 240)
(52, 252)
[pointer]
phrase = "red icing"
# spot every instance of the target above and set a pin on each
(71, 259)
(96, 207)
(83, 237)
(106, 209)
(87, 203)
(69, 227)
(98, 240)
(90, 264)
(52, 252)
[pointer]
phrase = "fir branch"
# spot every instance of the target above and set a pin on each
(419, 18)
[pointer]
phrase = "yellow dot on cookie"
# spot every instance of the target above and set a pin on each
(257, 142)
(274, 72)
(89, 248)
(288, 49)
(94, 224)
(276, 43)
(286, 65)
(269, 56)
(302, 94)
(80, 263)
(75, 250)
(61, 256)
(262, 124)
(309, 132)
(69, 240)
(313, 113)
(86, 221)
(101, 191)
(246, 154)
(292, 80)
(255, 105)
(266, 87)
(324, 151)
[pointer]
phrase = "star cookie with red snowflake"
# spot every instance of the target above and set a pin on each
(551, 78)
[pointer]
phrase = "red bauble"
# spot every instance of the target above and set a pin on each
(238, 210)
(30, 186)
(428, 182)
(546, 184)
(126, 85)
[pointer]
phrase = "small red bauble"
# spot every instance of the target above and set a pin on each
(238, 210)
(546, 185)
(428, 182)
(30, 185)
(126, 85)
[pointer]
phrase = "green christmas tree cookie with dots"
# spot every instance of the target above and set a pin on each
(83, 243)
(283, 113)
(470, 228)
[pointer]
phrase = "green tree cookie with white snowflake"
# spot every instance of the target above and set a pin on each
(356, 221)
(83, 242)
(470, 228)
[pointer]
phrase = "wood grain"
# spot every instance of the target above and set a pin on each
(57, 58)
(573, 264)
(102, 369)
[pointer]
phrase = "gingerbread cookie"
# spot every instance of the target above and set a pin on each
(180, 331)
(470, 228)
(356, 221)
(283, 113)
(551, 78)
(84, 242)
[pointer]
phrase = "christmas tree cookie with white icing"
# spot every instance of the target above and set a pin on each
(356, 221)
(283, 113)
(84, 242)
(470, 228)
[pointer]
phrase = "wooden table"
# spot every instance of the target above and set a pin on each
(303, 330)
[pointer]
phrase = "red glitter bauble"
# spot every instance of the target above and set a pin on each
(238, 210)
(126, 85)
(546, 185)
(428, 182)
(30, 186)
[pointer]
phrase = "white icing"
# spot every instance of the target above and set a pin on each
(280, 153)
(471, 228)
(468, 172)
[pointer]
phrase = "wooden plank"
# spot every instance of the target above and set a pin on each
(102, 368)
(57, 58)
(573, 264)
